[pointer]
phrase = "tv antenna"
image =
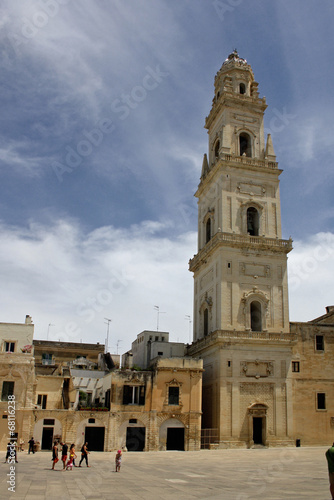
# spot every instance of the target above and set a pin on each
(158, 314)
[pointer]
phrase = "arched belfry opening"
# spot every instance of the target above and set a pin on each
(242, 88)
(245, 145)
(253, 221)
(256, 316)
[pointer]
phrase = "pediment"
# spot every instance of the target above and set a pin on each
(325, 319)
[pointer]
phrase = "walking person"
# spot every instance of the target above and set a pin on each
(8, 452)
(72, 453)
(64, 454)
(70, 463)
(54, 454)
(31, 445)
(330, 463)
(118, 460)
(84, 454)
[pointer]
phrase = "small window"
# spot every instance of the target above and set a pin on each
(242, 88)
(229, 364)
(5, 416)
(91, 420)
(41, 400)
(295, 366)
(7, 390)
(217, 148)
(47, 359)
(156, 338)
(206, 322)
(319, 343)
(9, 346)
(208, 230)
(132, 420)
(321, 401)
(173, 395)
(49, 421)
(162, 339)
(229, 265)
(134, 395)
(160, 353)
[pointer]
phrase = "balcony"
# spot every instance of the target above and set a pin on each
(240, 241)
(223, 336)
(48, 362)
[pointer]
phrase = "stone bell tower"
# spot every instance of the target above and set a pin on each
(241, 315)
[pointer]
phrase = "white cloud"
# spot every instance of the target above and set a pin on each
(311, 270)
(61, 276)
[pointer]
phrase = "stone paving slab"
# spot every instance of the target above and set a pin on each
(269, 474)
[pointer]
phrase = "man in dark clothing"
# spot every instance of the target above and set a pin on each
(330, 463)
(64, 454)
(84, 454)
(31, 445)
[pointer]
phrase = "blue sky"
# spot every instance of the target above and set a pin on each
(102, 112)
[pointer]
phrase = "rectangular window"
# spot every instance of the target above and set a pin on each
(295, 366)
(173, 395)
(321, 401)
(160, 353)
(9, 346)
(48, 421)
(7, 390)
(47, 359)
(41, 400)
(229, 364)
(319, 343)
(134, 395)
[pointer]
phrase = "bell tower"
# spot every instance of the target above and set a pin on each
(241, 311)
(240, 270)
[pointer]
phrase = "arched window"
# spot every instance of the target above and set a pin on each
(217, 148)
(245, 144)
(205, 322)
(208, 230)
(256, 316)
(253, 221)
(242, 88)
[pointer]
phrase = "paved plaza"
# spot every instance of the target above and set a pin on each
(274, 473)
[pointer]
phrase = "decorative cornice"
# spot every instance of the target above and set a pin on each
(259, 243)
(225, 337)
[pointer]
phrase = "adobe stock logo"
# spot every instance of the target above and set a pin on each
(48, 9)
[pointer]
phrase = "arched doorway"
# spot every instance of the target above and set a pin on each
(92, 431)
(172, 435)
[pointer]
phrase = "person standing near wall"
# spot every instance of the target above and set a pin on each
(31, 445)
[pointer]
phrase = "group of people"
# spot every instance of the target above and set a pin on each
(68, 457)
